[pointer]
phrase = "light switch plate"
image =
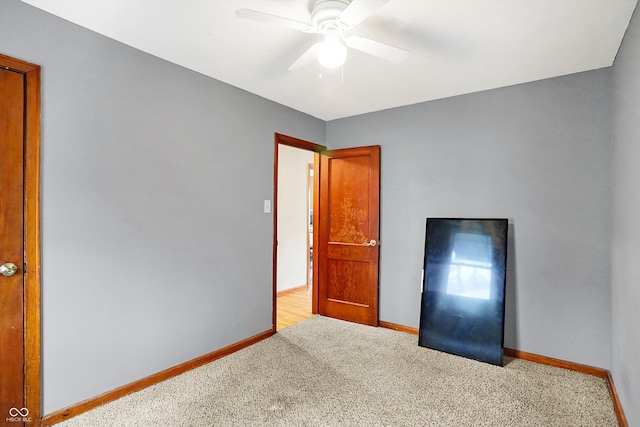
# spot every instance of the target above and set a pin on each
(267, 206)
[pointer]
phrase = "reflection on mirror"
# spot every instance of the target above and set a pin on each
(463, 291)
(470, 266)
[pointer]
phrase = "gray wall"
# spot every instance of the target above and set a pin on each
(626, 227)
(156, 249)
(537, 154)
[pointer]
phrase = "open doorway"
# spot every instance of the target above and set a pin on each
(345, 240)
(294, 202)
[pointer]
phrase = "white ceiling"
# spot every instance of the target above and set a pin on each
(457, 46)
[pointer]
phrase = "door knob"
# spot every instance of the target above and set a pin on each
(372, 242)
(8, 269)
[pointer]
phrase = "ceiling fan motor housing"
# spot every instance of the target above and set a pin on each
(325, 13)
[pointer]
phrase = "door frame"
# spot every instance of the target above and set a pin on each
(317, 149)
(310, 190)
(32, 237)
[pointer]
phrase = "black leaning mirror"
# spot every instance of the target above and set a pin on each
(462, 308)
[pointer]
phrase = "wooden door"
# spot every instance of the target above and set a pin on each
(19, 363)
(349, 234)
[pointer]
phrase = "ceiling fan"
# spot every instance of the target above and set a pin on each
(332, 18)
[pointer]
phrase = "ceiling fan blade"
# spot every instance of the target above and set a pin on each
(306, 58)
(381, 50)
(273, 19)
(358, 10)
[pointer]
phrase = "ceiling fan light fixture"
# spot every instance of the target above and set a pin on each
(331, 52)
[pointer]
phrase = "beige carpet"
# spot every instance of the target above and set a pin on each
(325, 372)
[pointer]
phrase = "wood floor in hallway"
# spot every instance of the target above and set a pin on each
(293, 306)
